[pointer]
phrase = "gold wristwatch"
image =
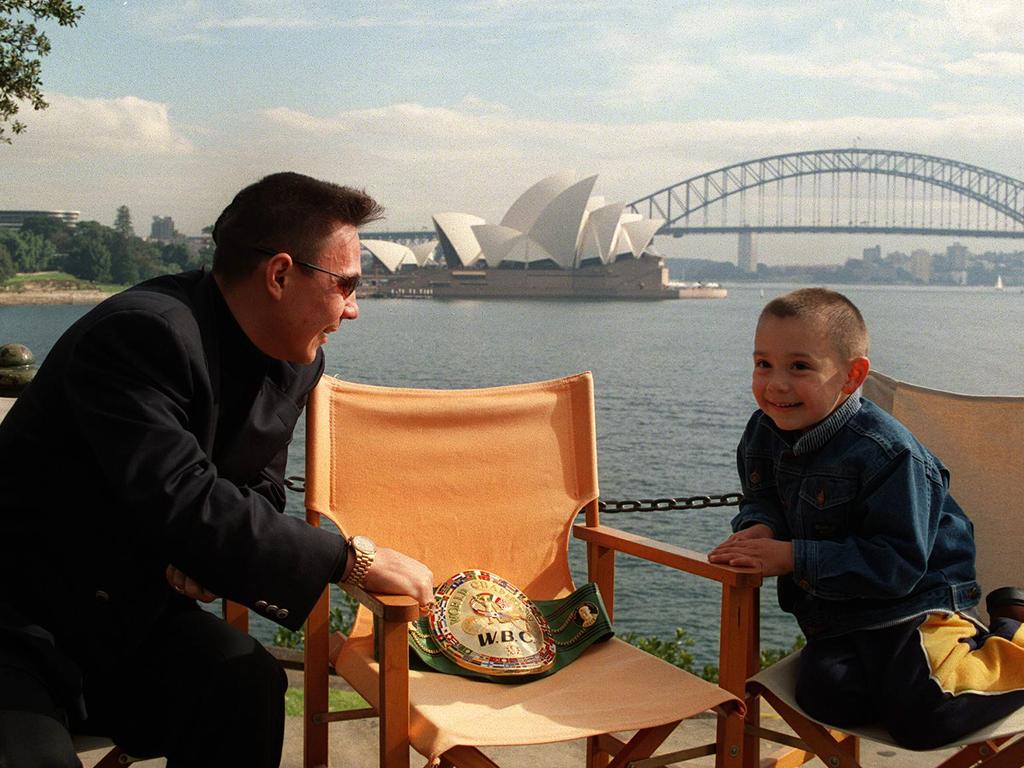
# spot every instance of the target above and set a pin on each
(364, 550)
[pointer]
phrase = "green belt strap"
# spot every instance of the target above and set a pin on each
(571, 637)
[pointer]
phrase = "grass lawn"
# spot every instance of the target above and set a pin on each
(336, 700)
(57, 280)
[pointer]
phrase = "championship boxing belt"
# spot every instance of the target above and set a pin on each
(484, 627)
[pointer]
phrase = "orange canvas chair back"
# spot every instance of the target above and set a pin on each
(979, 439)
(475, 478)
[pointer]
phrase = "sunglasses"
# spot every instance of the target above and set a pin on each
(347, 284)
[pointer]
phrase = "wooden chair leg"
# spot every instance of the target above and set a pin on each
(643, 744)
(236, 615)
(315, 684)
(466, 757)
(393, 652)
(1011, 756)
(739, 658)
(844, 753)
(596, 757)
(112, 759)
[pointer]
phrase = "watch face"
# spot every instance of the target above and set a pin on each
(363, 544)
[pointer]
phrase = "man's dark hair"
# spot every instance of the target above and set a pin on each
(286, 212)
(837, 315)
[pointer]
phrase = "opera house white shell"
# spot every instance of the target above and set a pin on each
(556, 223)
(393, 256)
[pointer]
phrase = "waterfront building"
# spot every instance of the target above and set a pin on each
(921, 265)
(14, 219)
(873, 255)
(162, 229)
(958, 256)
(557, 240)
(555, 224)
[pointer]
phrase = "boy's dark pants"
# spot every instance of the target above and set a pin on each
(882, 676)
(198, 691)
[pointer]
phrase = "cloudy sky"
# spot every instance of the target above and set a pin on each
(171, 106)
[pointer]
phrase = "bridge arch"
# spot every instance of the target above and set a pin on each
(938, 196)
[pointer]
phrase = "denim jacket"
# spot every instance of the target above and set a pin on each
(877, 539)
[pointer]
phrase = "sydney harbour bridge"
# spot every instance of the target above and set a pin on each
(843, 191)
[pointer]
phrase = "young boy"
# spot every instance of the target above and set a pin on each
(874, 557)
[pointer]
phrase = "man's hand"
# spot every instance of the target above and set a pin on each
(393, 573)
(754, 547)
(188, 587)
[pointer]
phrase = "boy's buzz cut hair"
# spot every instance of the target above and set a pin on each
(838, 315)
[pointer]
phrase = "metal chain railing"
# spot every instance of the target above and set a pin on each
(297, 483)
(670, 504)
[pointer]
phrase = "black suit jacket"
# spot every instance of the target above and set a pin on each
(153, 433)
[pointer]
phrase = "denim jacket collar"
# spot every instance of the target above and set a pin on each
(824, 430)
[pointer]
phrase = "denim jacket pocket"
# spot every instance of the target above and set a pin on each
(760, 472)
(826, 501)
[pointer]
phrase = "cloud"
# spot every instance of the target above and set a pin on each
(74, 128)
(302, 122)
(419, 159)
(992, 23)
(990, 64)
(887, 76)
(422, 159)
(656, 80)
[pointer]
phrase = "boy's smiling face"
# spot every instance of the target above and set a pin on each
(799, 377)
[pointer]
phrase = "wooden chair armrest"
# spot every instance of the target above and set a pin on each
(667, 554)
(390, 608)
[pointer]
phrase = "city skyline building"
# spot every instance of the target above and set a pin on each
(921, 265)
(162, 229)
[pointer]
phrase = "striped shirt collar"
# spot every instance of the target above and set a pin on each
(826, 429)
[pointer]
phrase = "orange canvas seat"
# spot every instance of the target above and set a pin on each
(491, 479)
(979, 439)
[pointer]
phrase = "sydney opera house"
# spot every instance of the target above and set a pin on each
(557, 240)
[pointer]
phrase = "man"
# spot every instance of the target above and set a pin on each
(143, 469)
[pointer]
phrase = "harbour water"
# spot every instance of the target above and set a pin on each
(672, 395)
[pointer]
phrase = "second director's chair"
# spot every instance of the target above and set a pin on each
(979, 439)
(489, 479)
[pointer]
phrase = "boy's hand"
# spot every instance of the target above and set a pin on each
(754, 547)
(755, 531)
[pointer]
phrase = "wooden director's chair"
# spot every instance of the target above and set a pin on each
(494, 479)
(979, 439)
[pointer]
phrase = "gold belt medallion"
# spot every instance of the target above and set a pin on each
(484, 623)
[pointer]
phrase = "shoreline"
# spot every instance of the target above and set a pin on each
(85, 296)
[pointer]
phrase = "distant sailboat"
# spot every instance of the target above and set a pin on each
(999, 282)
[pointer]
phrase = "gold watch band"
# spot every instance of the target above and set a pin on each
(364, 551)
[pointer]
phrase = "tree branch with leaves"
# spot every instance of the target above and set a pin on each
(22, 46)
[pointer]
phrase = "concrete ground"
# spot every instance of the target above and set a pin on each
(354, 745)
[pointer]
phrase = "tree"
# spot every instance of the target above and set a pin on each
(147, 257)
(123, 222)
(124, 269)
(6, 264)
(55, 230)
(29, 252)
(204, 258)
(175, 253)
(22, 46)
(89, 256)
